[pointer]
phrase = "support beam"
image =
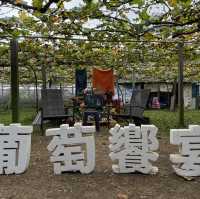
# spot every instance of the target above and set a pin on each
(14, 80)
(180, 85)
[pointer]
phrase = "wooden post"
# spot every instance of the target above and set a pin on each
(14, 80)
(180, 85)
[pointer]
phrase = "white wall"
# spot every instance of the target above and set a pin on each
(188, 96)
(164, 87)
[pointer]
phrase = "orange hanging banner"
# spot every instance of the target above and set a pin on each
(103, 80)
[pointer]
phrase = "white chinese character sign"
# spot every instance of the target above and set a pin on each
(15, 148)
(72, 148)
(132, 148)
(187, 162)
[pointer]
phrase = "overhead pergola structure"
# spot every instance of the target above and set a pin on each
(15, 74)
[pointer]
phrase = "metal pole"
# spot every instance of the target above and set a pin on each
(14, 80)
(133, 79)
(180, 85)
(44, 80)
(44, 72)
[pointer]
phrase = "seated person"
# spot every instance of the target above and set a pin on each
(93, 102)
(93, 99)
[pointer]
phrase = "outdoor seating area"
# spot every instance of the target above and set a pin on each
(91, 106)
(99, 99)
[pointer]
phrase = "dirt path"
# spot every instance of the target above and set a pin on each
(39, 182)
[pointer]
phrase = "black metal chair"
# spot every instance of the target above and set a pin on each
(52, 107)
(135, 109)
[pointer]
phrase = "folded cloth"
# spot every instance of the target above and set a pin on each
(103, 80)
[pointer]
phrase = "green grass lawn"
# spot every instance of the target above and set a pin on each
(166, 120)
(163, 119)
(26, 116)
